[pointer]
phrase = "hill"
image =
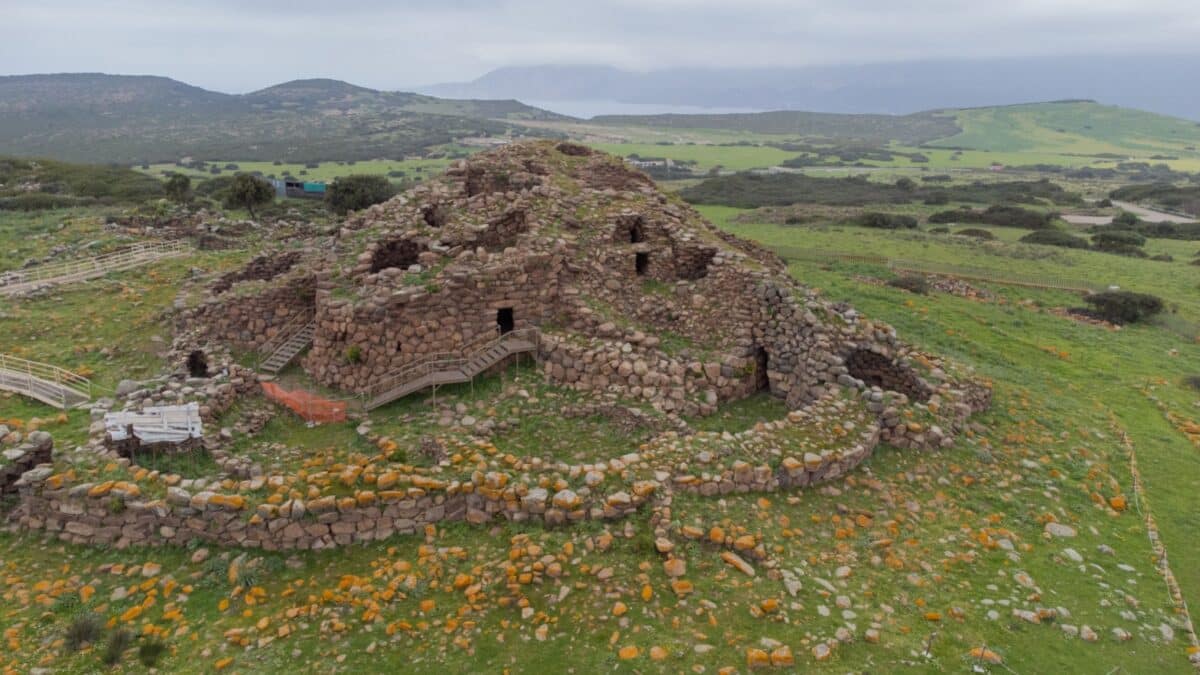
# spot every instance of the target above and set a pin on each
(1082, 127)
(28, 185)
(1148, 81)
(908, 129)
(93, 117)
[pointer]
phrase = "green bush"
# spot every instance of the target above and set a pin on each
(84, 629)
(1120, 242)
(118, 642)
(1055, 238)
(246, 191)
(1000, 215)
(1192, 381)
(1122, 307)
(976, 233)
(912, 284)
(887, 221)
(150, 652)
(351, 193)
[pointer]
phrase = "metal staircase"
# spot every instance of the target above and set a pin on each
(294, 338)
(436, 370)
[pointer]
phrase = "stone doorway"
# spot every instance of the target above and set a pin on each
(504, 319)
(197, 364)
(641, 261)
(762, 361)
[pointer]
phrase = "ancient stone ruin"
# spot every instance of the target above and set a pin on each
(624, 294)
(587, 251)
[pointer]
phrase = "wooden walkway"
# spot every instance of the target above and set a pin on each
(83, 269)
(43, 382)
(436, 370)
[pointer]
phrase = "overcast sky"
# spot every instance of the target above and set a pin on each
(242, 45)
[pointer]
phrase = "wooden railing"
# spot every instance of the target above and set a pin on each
(440, 362)
(90, 268)
(47, 383)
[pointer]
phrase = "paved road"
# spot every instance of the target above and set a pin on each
(1152, 216)
(1148, 215)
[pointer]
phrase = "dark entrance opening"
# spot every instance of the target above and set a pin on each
(400, 253)
(197, 364)
(761, 363)
(504, 319)
(877, 370)
(637, 232)
(640, 262)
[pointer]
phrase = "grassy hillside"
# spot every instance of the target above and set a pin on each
(126, 119)
(914, 563)
(910, 129)
(40, 183)
(1082, 127)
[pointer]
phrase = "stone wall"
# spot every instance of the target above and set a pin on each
(360, 342)
(35, 450)
(252, 313)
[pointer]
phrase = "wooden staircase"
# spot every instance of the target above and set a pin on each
(293, 339)
(49, 384)
(441, 369)
(83, 269)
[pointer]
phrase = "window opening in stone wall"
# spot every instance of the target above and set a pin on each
(640, 262)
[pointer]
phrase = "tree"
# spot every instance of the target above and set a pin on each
(248, 191)
(178, 188)
(351, 193)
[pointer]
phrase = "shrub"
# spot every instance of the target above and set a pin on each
(1000, 215)
(1117, 237)
(1123, 307)
(351, 193)
(1163, 257)
(912, 284)
(887, 221)
(353, 354)
(118, 642)
(1120, 242)
(1055, 238)
(1125, 219)
(84, 629)
(248, 191)
(976, 233)
(150, 652)
(178, 188)
(1192, 381)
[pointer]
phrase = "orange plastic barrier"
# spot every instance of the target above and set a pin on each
(309, 406)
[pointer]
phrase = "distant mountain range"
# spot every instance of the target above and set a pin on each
(1158, 83)
(94, 117)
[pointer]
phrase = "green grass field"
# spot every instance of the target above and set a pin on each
(939, 548)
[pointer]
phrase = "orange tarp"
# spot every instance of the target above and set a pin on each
(309, 406)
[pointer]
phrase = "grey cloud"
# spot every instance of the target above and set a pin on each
(238, 46)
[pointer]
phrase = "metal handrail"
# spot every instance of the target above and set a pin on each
(286, 332)
(43, 372)
(434, 363)
(74, 270)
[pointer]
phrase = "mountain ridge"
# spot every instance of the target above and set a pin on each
(1149, 82)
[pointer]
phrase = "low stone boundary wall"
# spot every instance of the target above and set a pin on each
(118, 514)
(35, 450)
